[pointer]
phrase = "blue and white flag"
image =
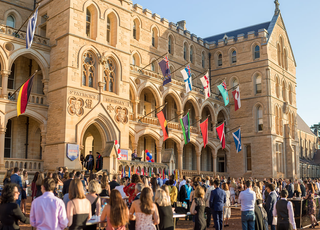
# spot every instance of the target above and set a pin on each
(186, 73)
(31, 28)
(237, 140)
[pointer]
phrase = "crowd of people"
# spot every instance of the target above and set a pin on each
(69, 199)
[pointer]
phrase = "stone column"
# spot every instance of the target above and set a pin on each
(5, 74)
(214, 129)
(2, 136)
(198, 161)
(180, 161)
(214, 161)
(198, 120)
(159, 149)
(135, 109)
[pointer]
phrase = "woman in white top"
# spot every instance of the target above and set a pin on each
(144, 211)
(123, 182)
(227, 211)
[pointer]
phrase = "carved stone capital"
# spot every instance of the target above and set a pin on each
(5, 73)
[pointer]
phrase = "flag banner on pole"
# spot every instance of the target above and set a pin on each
(176, 175)
(163, 174)
(221, 134)
(163, 122)
(224, 92)
(24, 95)
(206, 85)
(237, 140)
(185, 125)
(236, 96)
(204, 131)
(186, 73)
(129, 172)
(150, 172)
(124, 172)
(165, 69)
(31, 29)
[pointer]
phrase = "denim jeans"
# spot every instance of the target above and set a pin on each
(248, 220)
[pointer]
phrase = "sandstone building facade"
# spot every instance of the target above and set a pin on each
(99, 81)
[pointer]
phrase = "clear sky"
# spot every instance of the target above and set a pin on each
(302, 20)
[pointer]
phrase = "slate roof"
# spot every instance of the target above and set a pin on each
(302, 125)
(235, 33)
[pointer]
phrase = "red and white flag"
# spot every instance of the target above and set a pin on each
(221, 134)
(206, 85)
(236, 96)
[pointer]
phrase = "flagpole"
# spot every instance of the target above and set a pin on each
(180, 67)
(233, 129)
(22, 85)
(177, 116)
(233, 87)
(200, 74)
(16, 34)
(153, 111)
(153, 61)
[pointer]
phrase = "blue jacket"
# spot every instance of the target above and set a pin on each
(217, 199)
(17, 180)
(271, 200)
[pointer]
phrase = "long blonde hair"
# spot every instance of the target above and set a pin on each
(40, 179)
(256, 189)
(161, 198)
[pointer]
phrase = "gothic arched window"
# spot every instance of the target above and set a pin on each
(109, 71)
(88, 23)
(11, 21)
(257, 52)
(88, 69)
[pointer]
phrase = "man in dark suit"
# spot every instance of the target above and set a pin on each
(66, 184)
(290, 189)
(60, 173)
(272, 198)
(302, 188)
(15, 178)
(114, 182)
(217, 201)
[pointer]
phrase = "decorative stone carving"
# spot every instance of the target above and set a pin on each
(121, 115)
(88, 104)
(75, 106)
(110, 108)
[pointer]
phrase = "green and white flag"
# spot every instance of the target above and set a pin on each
(185, 125)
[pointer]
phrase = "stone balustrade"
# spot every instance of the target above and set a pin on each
(174, 125)
(7, 30)
(149, 120)
(34, 98)
(28, 164)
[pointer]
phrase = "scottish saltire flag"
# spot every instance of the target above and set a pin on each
(186, 73)
(237, 140)
(185, 125)
(224, 92)
(165, 69)
(236, 96)
(206, 85)
(31, 28)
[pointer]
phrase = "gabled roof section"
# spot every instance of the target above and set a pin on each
(235, 33)
(302, 125)
(271, 27)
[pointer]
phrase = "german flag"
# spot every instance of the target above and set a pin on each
(163, 122)
(24, 94)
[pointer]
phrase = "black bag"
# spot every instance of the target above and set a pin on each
(180, 210)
